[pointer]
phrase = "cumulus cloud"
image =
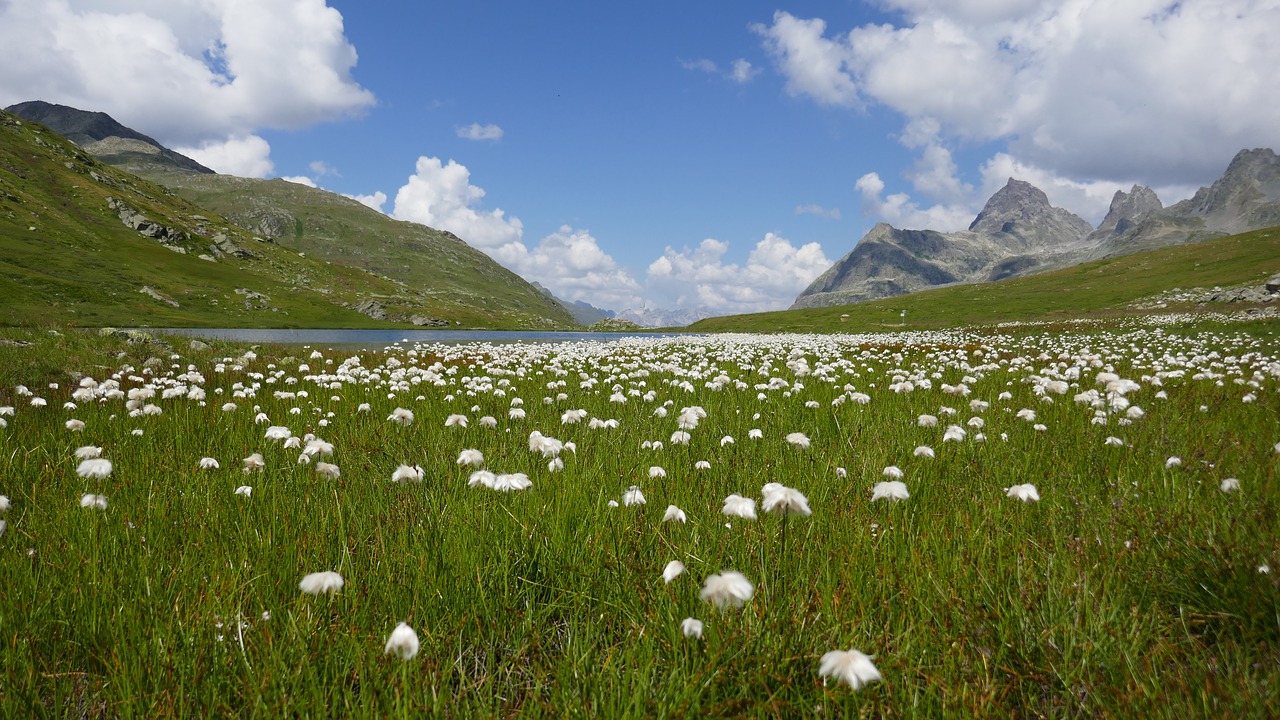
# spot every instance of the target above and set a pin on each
(321, 168)
(246, 156)
(701, 65)
(743, 71)
(899, 210)
(813, 209)
(573, 265)
(775, 272)
(1090, 95)
(188, 73)
(300, 180)
(476, 131)
(441, 195)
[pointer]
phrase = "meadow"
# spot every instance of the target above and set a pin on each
(1002, 522)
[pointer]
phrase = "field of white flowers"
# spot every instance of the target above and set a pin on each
(1005, 523)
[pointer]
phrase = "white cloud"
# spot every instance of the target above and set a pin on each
(743, 71)
(813, 209)
(476, 131)
(375, 201)
(320, 168)
(1148, 90)
(187, 73)
(442, 196)
(300, 180)
(701, 65)
(900, 211)
(246, 156)
(775, 272)
(572, 264)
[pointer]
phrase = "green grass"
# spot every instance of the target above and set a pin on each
(1130, 590)
(1103, 289)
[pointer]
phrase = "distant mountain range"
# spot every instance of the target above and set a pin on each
(1019, 232)
(652, 317)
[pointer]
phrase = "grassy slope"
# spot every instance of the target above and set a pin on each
(434, 268)
(1099, 289)
(82, 266)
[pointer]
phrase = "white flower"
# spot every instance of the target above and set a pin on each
(1173, 462)
(891, 490)
(1113, 442)
(728, 440)
(316, 446)
(556, 465)
(674, 513)
(737, 506)
(244, 490)
(691, 628)
(471, 457)
(403, 642)
(292, 443)
(401, 416)
(328, 470)
(927, 421)
(953, 433)
(88, 452)
(633, 496)
(75, 425)
(254, 462)
(316, 583)
(278, 432)
(842, 473)
(209, 463)
(411, 473)
(657, 472)
(480, 477)
(96, 468)
(507, 482)
(1025, 492)
(783, 500)
(680, 437)
(850, 667)
(515, 413)
(5, 504)
(923, 451)
(702, 465)
(1229, 485)
(672, 571)
(893, 472)
(229, 407)
(89, 500)
(755, 434)
(729, 589)
(798, 439)
(456, 421)
(488, 421)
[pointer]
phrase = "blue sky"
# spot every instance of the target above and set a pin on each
(712, 156)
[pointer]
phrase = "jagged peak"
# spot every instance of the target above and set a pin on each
(1018, 198)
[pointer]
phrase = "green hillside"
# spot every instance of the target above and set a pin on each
(67, 257)
(1101, 289)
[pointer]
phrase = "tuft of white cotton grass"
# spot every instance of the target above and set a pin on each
(5, 504)
(657, 472)
(208, 463)
(755, 434)
(892, 490)
(1229, 485)
(923, 451)
(325, 582)
(244, 490)
(1025, 492)
(850, 667)
(75, 425)
(278, 432)
(456, 421)
(1172, 463)
(691, 628)
(328, 470)
(507, 482)
(728, 590)
(672, 571)
(893, 472)
(737, 506)
(403, 642)
(410, 473)
(88, 452)
(556, 465)
(633, 496)
(782, 500)
(471, 456)
(89, 500)
(799, 440)
(254, 462)
(674, 514)
(401, 416)
(95, 468)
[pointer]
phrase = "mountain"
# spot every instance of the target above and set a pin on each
(104, 138)
(584, 313)
(1018, 232)
(651, 317)
(425, 276)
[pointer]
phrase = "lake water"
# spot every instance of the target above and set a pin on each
(381, 338)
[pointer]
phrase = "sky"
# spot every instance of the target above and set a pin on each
(677, 155)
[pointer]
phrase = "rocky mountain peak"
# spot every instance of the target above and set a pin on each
(1130, 208)
(1017, 199)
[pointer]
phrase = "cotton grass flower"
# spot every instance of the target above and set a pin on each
(782, 500)
(89, 500)
(799, 440)
(480, 477)
(755, 434)
(317, 583)
(278, 432)
(674, 514)
(691, 628)
(96, 468)
(328, 470)
(5, 504)
(401, 416)
(891, 490)
(923, 451)
(728, 440)
(407, 473)
(672, 571)
(1173, 462)
(1112, 441)
(728, 590)
(1025, 492)
(244, 490)
(1229, 485)
(88, 452)
(850, 667)
(456, 421)
(633, 496)
(508, 482)
(403, 642)
(74, 425)
(209, 463)
(471, 456)
(737, 506)
(893, 472)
